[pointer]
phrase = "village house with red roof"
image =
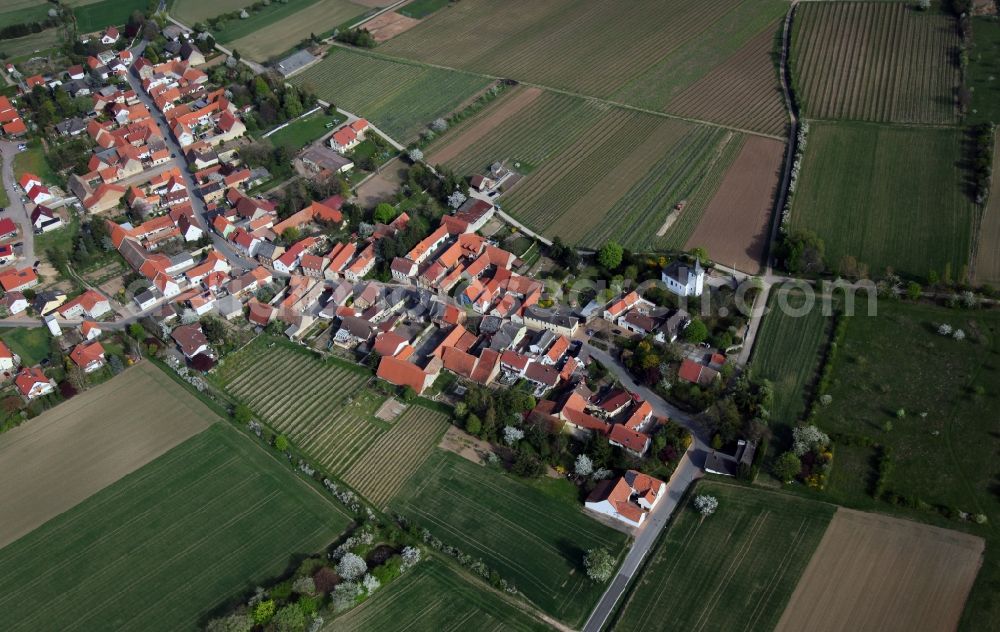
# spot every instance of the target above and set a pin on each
(628, 499)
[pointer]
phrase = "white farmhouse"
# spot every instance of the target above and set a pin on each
(629, 499)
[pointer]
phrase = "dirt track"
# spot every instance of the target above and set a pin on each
(873, 572)
(733, 229)
(55, 461)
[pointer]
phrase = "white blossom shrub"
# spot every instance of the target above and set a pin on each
(344, 595)
(805, 438)
(411, 557)
(456, 199)
(304, 586)
(415, 155)
(351, 567)
(705, 504)
(601, 474)
(512, 435)
(583, 465)
(958, 335)
(944, 329)
(370, 583)
(439, 125)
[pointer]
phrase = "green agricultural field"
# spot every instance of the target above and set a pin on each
(422, 8)
(165, 546)
(645, 52)
(304, 131)
(434, 596)
(887, 196)
(946, 389)
(22, 11)
(734, 570)
(322, 407)
(280, 26)
(984, 71)
(31, 344)
(99, 15)
(191, 11)
(875, 61)
(20, 48)
(531, 538)
(275, 32)
(788, 352)
(399, 97)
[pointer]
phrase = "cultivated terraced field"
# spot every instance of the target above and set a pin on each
(433, 596)
(25, 47)
(78, 448)
(168, 544)
(399, 97)
(397, 454)
(888, 196)
(875, 61)
(644, 52)
(734, 570)
(877, 560)
(788, 352)
(320, 407)
(532, 539)
(280, 34)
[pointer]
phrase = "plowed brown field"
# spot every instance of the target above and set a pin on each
(874, 572)
(733, 229)
(389, 25)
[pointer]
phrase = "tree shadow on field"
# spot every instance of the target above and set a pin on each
(572, 553)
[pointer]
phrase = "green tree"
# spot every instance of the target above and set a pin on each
(409, 394)
(242, 414)
(913, 290)
(610, 256)
(289, 619)
(696, 331)
(137, 331)
(281, 443)
(787, 467)
(472, 424)
(263, 612)
(385, 213)
(600, 564)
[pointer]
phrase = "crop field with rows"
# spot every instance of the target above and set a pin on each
(279, 33)
(875, 61)
(320, 407)
(644, 52)
(397, 454)
(400, 97)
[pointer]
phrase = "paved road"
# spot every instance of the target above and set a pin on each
(16, 210)
(688, 470)
(177, 160)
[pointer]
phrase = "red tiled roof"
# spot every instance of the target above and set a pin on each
(401, 373)
(85, 353)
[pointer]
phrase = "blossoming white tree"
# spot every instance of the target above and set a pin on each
(583, 466)
(705, 504)
(512, 435)
(351, 567)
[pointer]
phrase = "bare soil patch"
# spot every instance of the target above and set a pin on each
(465, 445)
(389, 25)
(390, 409)
(383, 185)
(734, 227)
(482, 127)
(873, 572)
(73, 451)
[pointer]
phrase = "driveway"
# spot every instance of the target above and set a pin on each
(16, 210)
(177, 160)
